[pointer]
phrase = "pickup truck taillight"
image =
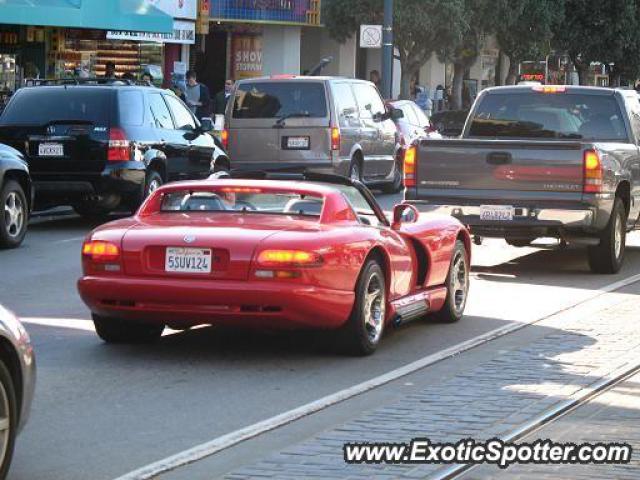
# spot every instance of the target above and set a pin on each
(409, 167)
(335, 139)
(119, 146)
(593, 172)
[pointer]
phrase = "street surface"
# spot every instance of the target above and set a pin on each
(103, 411)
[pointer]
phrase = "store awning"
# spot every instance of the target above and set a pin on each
(132, 15)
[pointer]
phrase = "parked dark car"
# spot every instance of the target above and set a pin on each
(17, 384)
(104, 146)
(15, 197)
(540, 161)
(449, 123)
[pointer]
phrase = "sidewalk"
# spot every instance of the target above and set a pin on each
(493, 398)
(611, 417)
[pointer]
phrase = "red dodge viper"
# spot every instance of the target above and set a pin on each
(288, 251)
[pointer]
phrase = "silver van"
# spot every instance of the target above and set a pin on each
(324, 124)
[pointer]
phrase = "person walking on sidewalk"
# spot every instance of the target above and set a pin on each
(198, 96)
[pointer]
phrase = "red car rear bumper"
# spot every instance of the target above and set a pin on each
(185, 303)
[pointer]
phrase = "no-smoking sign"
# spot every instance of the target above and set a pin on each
(371, 36)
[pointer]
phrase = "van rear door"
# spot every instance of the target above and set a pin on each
(280, 123)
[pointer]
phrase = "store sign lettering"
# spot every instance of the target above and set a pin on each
(183, 32)
(248, 61)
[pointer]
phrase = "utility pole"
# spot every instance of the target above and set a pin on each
(387, 50)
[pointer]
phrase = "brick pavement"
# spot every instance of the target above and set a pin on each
(490, 400)
(611, 417)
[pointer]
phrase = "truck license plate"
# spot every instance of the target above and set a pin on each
(50, 150)
(298, 143)
(500, 213)
(188, 260)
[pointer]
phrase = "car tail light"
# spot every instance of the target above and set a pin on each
(100, 251)
(593, 172)
(410, 167)
(335, 138)
(224, 138)
(288, 258)
(119, 146)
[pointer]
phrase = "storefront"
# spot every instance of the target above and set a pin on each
(249, 39)
(60, 38)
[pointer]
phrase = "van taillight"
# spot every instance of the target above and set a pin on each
(593, 173)
(119, 146)
(224, 138)
(409, 167)
(335, 138)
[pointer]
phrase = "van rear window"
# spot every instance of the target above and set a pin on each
(548, 116)
(280, 99)
(42, 105)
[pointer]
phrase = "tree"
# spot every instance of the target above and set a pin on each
(524, 29)
(421, 27)
(478, 21)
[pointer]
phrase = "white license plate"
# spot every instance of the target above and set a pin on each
(500, 213)
(188, 260)
(298, 142)
(50, 150)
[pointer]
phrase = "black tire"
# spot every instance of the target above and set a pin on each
(457, 286)
(360, 337)
(398, 181)
(9, 403)
(113, 330)
(355, 169)
(14, 214)
(153, 181)
(221, 165)
(607, 258)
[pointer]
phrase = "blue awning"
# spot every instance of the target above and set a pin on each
(133, 15)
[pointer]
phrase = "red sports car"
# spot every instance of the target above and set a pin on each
(312, 251)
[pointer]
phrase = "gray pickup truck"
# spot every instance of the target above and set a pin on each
(539, 161)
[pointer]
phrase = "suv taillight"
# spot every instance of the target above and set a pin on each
(335, 139)
(593, 172)
(409, 167)
(119, 146)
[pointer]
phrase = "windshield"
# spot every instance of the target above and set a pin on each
(548, 116)
(280, 100)
(242, 200)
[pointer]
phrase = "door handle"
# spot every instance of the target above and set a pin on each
(499, 158)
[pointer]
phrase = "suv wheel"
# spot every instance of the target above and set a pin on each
(355, 170)
(153, 182)
(608, 256)
(397, 183)
(13, 214)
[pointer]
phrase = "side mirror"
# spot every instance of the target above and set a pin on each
(404, 213)
(206, 125)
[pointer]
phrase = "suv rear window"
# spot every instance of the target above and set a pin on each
(549, 116)
(42, 105)
(280, 99)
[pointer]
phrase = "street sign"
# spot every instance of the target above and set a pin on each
(371, 36)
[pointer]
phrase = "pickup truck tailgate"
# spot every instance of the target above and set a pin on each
(467, 168)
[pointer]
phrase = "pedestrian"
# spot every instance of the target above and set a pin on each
(222, 98)
(110, 70)
(198, 96)
(374, 77)
(147, 78)
(128, 76)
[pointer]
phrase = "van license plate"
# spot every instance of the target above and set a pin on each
(500, 213)
(188, 260)
(50, 150)
(297, 143)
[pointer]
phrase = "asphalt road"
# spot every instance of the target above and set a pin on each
(101, 411)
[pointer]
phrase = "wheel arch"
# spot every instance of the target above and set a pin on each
(9, 357)
(465, 237)
(23, 180)
(624, 193)
(157, 160)
(379, 253)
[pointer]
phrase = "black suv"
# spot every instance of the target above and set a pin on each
(104, 145)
